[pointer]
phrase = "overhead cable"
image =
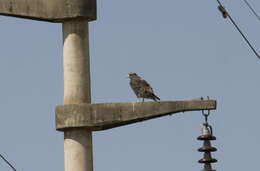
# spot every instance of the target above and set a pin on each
(7, 162)
(225, 15)
(251, 8)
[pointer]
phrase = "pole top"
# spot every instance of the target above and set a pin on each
(49, 10)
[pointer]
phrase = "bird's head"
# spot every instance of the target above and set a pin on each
(132, 75)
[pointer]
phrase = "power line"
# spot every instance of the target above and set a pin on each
(225, 15)
(7, 162)
(251, 8)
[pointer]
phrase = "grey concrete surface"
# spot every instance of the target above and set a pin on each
(109, 115)
(50, 10)
(78, 151)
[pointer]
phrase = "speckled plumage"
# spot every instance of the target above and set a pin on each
(141, 88)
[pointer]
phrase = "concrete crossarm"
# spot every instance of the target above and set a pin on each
(109, 115)
(49, 10)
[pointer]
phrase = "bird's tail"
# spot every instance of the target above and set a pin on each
(155, 98)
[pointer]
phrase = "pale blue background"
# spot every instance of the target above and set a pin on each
(184, 49)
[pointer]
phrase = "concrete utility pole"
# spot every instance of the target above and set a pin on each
(74, 16)
(78, 141)
(77, 118)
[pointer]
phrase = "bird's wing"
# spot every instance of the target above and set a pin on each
(145, 86)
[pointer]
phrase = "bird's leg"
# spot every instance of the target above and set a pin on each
(138, 100)
(143, 99)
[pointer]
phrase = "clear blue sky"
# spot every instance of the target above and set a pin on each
(184, 49)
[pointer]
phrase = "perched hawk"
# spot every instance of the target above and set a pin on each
(141, 88)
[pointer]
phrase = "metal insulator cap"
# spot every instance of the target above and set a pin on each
(207, 149)
(207, 160)
(206, 137)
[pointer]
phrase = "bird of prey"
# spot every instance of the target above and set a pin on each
(141, 88)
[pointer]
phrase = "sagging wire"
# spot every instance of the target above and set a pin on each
(8, 162)
(225, 14)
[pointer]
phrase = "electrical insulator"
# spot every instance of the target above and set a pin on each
(207, 148)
